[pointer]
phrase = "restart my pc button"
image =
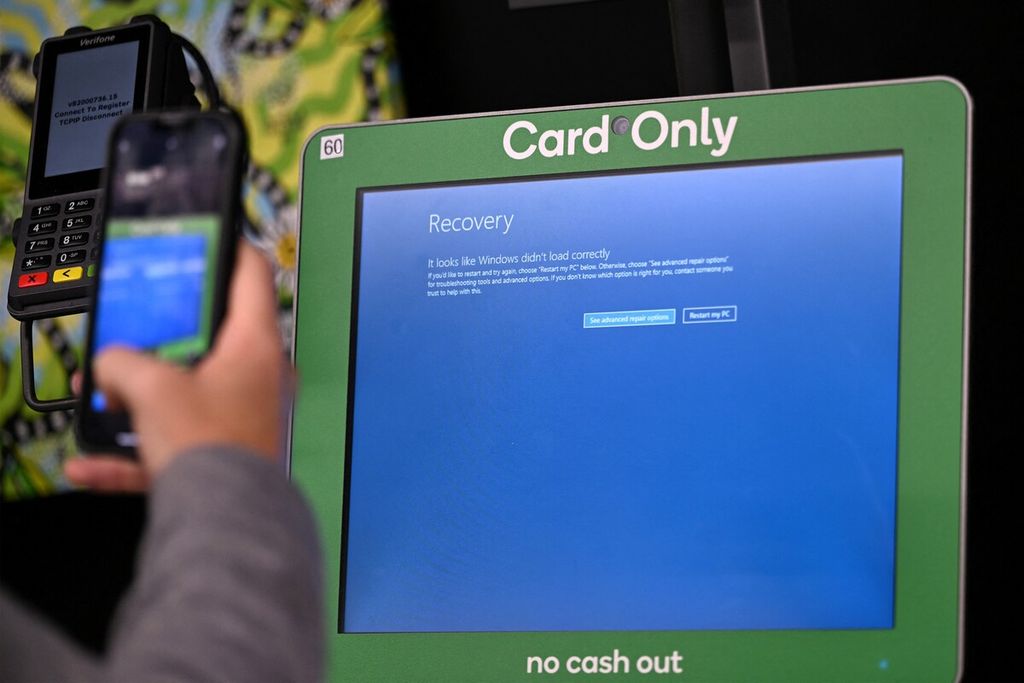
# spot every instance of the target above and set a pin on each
(709, 314)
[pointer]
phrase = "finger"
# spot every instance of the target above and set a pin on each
(252, 307)
(76, 383)
(107, 474)
(131, 379)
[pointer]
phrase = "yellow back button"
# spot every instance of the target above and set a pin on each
(67, 274)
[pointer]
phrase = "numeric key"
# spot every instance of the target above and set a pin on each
(39, 245)
(77, 222)
(77, 205)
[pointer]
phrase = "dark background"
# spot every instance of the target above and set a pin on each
(72, 555)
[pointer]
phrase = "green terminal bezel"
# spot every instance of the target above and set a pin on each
(928, 120)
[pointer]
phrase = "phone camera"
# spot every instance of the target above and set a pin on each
(620, 125)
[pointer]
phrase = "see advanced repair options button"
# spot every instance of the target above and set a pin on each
(659, 316)
(67, 274)
(709, 314)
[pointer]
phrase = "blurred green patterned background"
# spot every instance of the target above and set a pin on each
(288, 66)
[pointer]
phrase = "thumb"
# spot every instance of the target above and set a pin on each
(132, 380)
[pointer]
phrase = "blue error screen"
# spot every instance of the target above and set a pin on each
(658, 400)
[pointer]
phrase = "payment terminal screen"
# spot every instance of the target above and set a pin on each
(91, 90)
(660, 400)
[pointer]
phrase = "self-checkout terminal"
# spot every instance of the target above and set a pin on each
(668, 389)
(86, 80)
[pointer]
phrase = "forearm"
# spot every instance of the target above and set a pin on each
(228, 584)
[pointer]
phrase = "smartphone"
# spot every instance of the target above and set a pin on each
(166, 253)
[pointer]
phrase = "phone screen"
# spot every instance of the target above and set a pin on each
(155, 286)
(171, 190)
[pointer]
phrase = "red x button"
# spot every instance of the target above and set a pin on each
(32, 279)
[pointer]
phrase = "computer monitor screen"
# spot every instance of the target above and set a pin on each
(659, 399)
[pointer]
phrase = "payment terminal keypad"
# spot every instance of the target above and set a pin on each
(56, 254)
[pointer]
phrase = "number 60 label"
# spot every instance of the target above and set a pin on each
(332, 146)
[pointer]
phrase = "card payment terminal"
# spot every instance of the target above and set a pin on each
(86, 79)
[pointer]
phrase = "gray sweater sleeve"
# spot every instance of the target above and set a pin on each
(228, 586)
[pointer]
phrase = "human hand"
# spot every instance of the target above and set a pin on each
(236, 395)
